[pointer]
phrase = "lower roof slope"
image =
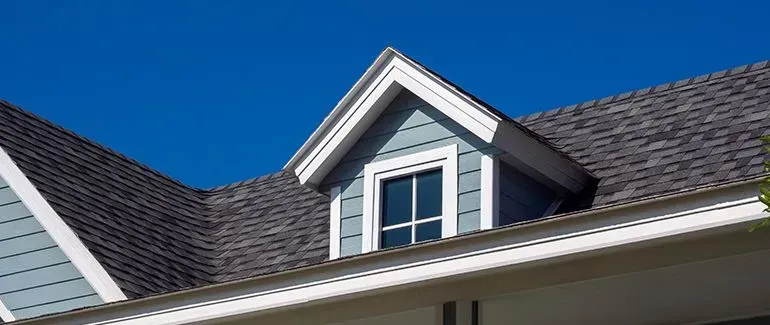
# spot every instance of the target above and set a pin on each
(154, 234)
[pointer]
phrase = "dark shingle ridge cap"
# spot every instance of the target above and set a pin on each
(652, 90)
(247, 182)
(96, 145)
(200, 191)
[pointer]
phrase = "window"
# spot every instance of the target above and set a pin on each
(411, 209)
(410, 199)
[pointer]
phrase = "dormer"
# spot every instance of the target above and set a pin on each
(406, 157)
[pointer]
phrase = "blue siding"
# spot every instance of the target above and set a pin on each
(35, 276)
(521, 197)
(409, 125)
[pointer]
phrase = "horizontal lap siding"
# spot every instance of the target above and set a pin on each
(521, 197)
(407, 126)
(36, 277)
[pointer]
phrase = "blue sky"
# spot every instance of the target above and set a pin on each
(212, 92)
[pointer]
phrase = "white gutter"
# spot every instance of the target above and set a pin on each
(656, 219)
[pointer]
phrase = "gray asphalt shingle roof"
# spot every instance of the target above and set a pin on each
(668, 138)
(154, 234)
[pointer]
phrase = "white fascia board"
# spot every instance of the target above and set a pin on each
(333, 116)
(655, 221)
(61, 234)
(5, 314)
(390, 73)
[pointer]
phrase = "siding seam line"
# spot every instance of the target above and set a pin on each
(401, 130)
(469, 191)
(386, 113)
(34, 269)
(17, 219)
(351, 217)
(80, 277)
(55, 301)
(25, 235)
(9, 203)
(27, 252)
(409, 147)
(351, 179)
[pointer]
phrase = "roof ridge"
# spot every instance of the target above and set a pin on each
(651, 90)
(246, 182)
(98, 145)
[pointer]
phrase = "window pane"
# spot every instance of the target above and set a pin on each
(397, 201)
(429, 194)
(428, 231)
(396, 237)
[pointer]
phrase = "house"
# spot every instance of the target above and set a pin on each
(414, 202)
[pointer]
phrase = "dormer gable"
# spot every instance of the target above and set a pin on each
(407, 156)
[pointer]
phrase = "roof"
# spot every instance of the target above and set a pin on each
(672, 137)
(491, 109)
(154, 234)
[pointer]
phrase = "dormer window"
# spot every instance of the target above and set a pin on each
(411, 209)
(410, 199)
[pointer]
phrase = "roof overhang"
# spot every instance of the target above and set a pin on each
(386, 77)
(699, 212)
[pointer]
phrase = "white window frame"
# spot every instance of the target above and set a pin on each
(444, 158)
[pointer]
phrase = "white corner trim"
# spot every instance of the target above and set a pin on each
(377, 172)
(335, 223)
(62, 234)
(490, 192)
(390, 73)
(5, 314)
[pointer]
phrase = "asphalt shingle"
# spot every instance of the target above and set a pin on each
(702, 130)
(154, 234)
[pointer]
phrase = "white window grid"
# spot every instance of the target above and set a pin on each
(414, 222)
(376, 173)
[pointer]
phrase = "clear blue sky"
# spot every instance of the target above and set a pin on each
(212, 92)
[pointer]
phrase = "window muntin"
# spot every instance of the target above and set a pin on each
(411, 209)
(433, 205)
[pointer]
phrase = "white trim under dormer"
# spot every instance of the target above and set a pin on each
(377, 172)
(393, 72)
(61, 234)
(5, 313)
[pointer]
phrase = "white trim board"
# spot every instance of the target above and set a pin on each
(335, 223)
(374, 173)
(5, 313)
(490, 192)
(391, 73)
(61, 234)
(657, 221)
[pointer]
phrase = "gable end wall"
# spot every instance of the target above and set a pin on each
(36, 278)
(408, 125)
